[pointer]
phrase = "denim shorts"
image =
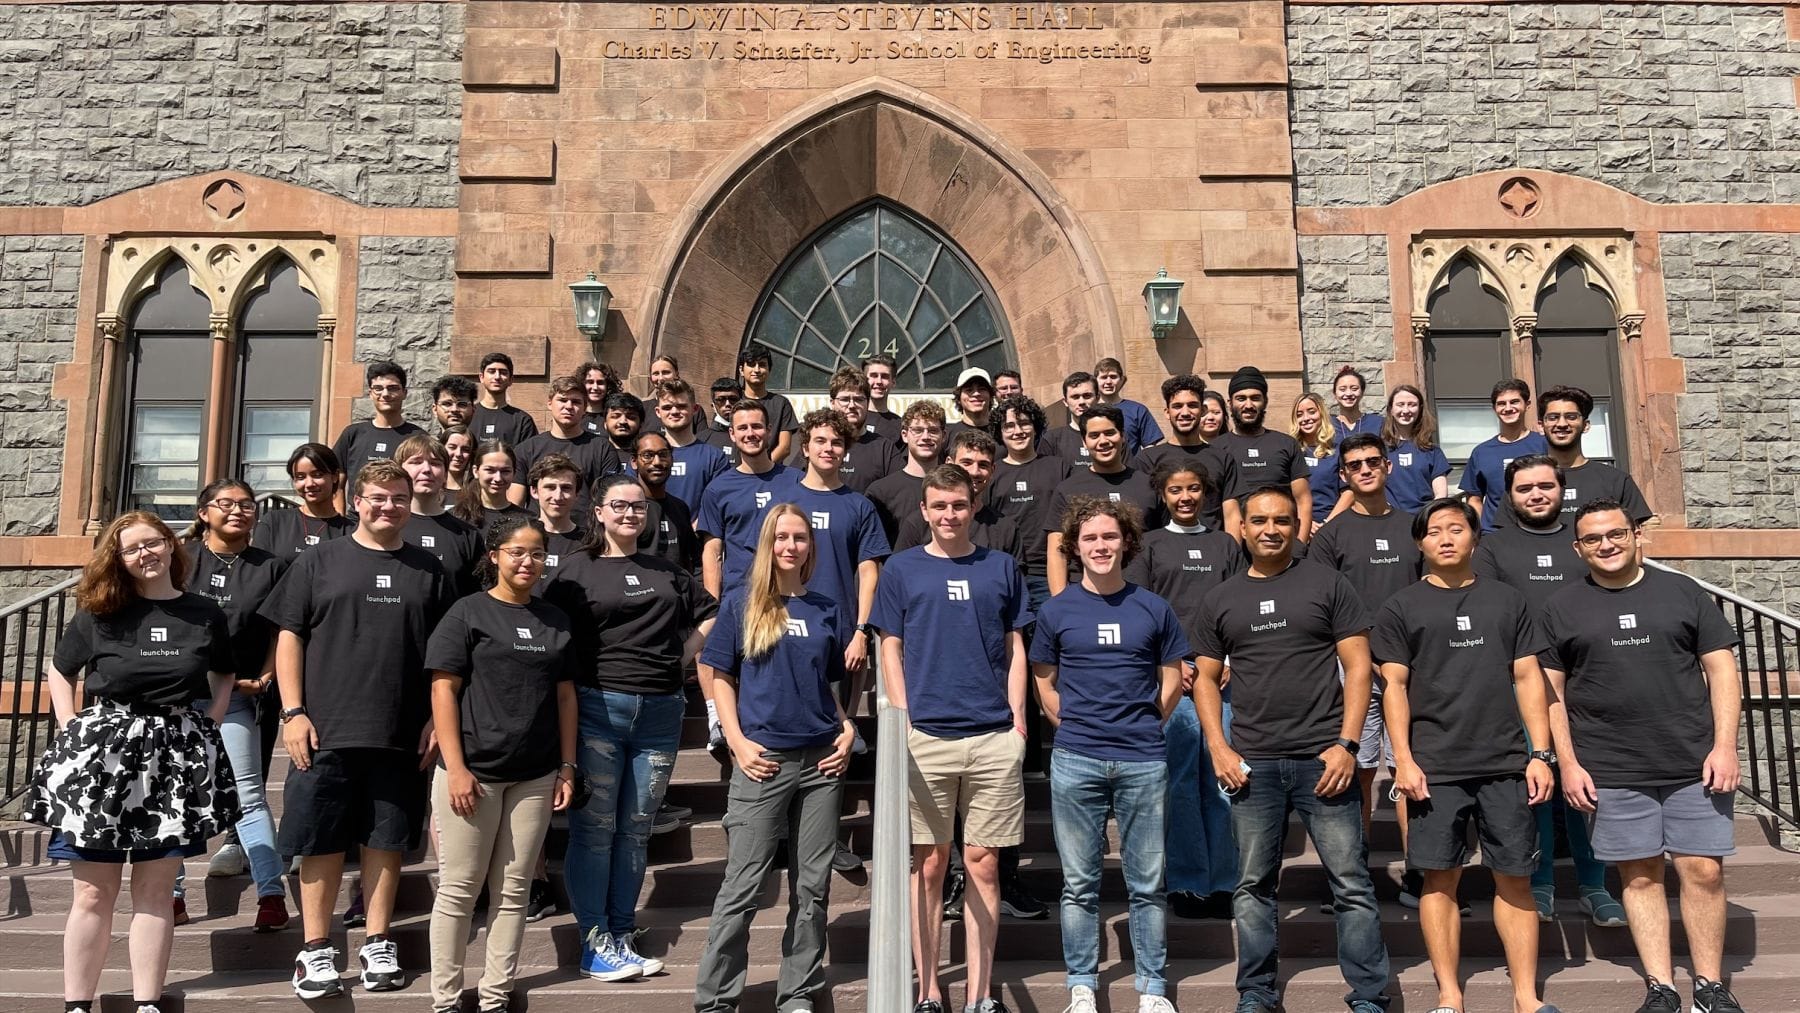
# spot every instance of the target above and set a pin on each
(63, 850)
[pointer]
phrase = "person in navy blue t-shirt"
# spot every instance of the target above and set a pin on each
(1347, 389)
(951, 615)
(1141, 429)
(1485, 474)
(1421, 471)
(696, 461)
(1106, 656)
(776, 650)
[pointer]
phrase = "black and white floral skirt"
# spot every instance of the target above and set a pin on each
(127, 777)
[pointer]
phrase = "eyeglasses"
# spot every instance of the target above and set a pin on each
(517, 554)
(626, 506)
(924, 430)
(1617, 536)
(1362, 463)
(386, 388)
(234, 506)
(382, 501)
(851, 402)
(1564, 417)
(134, 551)
(656, 455)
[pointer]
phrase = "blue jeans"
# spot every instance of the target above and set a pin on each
(1259, 818)
(255, 828)
(1202, 855)
(1590, 872)
(1082, 792)
(628, 745)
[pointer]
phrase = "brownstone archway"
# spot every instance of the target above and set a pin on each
(880, 139)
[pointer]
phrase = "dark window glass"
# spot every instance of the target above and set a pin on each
(1466, 352)
(879, 280)
(167, 380)
(1577, 346)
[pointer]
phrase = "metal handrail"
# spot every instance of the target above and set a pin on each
(25, 722)
(890, 902)
(1768, 657)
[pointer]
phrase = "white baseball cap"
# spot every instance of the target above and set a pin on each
(973, 373)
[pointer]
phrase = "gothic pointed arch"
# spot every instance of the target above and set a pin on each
(878, 139)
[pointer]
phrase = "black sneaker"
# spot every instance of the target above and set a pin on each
(541, 903)
(354, 915)
(991, 1005)
(1661, 999)
(1218, 906)
(929, 1006)
(1186, 904)
(665, 821)
(1713, 997)
(953, 897)
(1017, 902)
(845, 860)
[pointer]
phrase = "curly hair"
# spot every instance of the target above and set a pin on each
(827, 417)
(106, 586)
(1082, 509)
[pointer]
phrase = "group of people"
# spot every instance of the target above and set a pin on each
(466, 629)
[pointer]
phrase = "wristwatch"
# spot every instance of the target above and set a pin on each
(1546, 755)
(867, 630)
(292, 712)
(1351, 746)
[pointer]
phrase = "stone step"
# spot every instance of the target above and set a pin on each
(1198, 986)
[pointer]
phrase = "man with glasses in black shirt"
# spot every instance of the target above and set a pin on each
(1563, 413)
(1645, 712)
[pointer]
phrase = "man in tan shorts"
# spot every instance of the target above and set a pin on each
(950, 615)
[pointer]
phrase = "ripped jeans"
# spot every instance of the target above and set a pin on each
(628, 745)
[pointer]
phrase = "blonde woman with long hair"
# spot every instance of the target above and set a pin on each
(775, 652)
(1311, 426)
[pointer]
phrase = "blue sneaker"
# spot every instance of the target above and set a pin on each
(622, 946)
(600, 959)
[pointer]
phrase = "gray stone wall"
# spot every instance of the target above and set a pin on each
(405, 295)
(1346, 315)
(1734, 318)
(40, 279)
(363, 101)
(1771, 582)
(1672, 102)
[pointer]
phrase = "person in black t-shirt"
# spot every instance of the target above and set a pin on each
(597, 380)
(724, 393)
(239, 577)
(354, 616)
(777, 649)
(1215, 417)
(454, 541)
(870, 456)
(1008, 383)
(1181, 561)
(487, 498)
(1288, 625)
(459, 451)
(1109, 478)
(1080, 392)
(1459, 654)
(452, 403)
(624, 420)
(1264, 457)
(1535, 553)
(148, 650)
(1183, 405)
(372, 439)
(565, 436)
(753, 372)
(974, 396)
(502, 669)
(879, 368)
(555, 482)
(315, 473)
(639, 619)
(973, 451)
(1563, 414)
(669, 528)
(896, 495)
(494, 418)
(1646, 713)
(1020, 491)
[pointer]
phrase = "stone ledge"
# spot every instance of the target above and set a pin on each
(520, 160)
(510, 67)
(497, 253)
(530, 354)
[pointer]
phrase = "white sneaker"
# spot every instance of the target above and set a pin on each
(316, 974)
(859, 747)
(622, 946)
(381, 966)
(1081, 1000)
(229, 860)
(1155, 1004)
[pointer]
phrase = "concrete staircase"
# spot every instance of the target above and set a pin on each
(220, 966)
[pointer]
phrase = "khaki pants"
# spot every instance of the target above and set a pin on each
(496, 845)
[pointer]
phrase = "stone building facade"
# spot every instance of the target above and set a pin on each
(437, 173)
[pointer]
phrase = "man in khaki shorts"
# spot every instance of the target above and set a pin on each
(951, 615)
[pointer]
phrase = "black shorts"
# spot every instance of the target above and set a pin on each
(371, 797)
(1437, 829)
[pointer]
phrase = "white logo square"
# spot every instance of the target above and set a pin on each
(524, 634)
(958, 590)
(796, 627)
(427, 541)
(1546, 561)
(665, 527)
(381, 448)
(159, 634)
(631, 580)
(1084, 452)
(1109, 633)
(1267, 608)
(312, 539)
(1628, 621)
(763, 498)
(1113, 496)
(1195, 554)
(1405, 460)
(488, 430)
(1254, 453)
(1021, 487)
(1568, 495)
(218, 580)
(1463, 624)
(678, 469)
(1505, 461)
(1381, 544)
(383, 580)
(551, 559)
(821, 521)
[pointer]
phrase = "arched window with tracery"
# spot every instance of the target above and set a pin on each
(167, 409)
(879, 280)
(278, 377)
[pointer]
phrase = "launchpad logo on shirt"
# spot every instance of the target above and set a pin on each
(796, 628)
(957, 590)
(524, 634)
(382, 582)
(678, 469)
(1267, 608)
(160, 635)
(1464, 625)
(763, 498)
(1108, 634)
